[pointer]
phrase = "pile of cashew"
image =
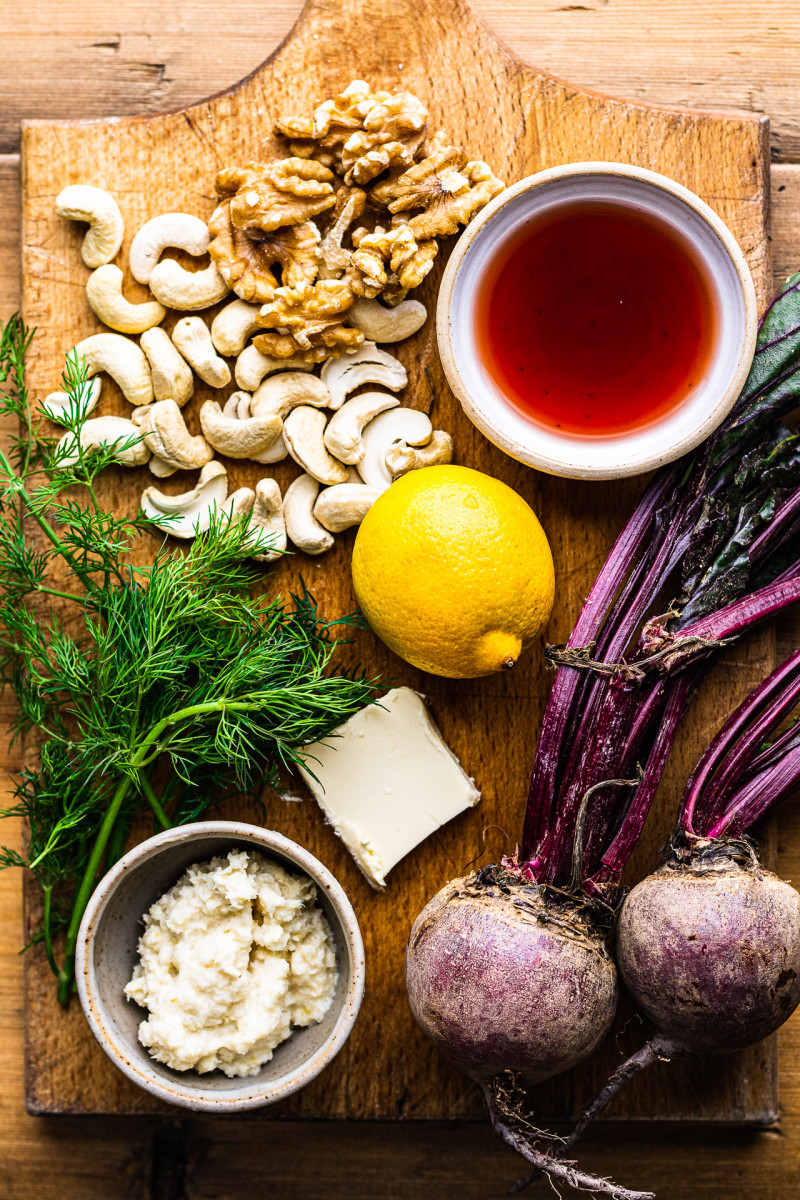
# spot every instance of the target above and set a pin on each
(345, 427)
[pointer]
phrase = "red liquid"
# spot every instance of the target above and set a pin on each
(595, 319)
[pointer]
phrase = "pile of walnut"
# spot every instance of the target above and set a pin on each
(365, 160)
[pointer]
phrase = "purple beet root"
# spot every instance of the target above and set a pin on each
(709, 948)
(513, 983)
(504, 978)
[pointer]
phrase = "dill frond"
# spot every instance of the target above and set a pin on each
(175, 669)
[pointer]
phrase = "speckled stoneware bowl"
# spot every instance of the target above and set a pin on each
(642, 449)
(107, 952)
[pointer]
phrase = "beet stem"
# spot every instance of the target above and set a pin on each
(773, 534)
(787, 741)
(618, 853)
(719, 771)
(567, 1172)
(757, 796)
(706, 526)
(594, 735)
(568, 684)
(576, 880)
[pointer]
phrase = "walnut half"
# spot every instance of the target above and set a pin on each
(246, 258)
(448, 188)
(392, 134)
(308, 320)
(398, 249)
(283, 191)
(362, 133)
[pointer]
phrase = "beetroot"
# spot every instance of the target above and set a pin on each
(514, 983)
(504, 980)
(709, 948)
(709, 945)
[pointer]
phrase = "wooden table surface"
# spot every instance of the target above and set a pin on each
(92, 58)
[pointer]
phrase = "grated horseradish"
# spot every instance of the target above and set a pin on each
(233, 957)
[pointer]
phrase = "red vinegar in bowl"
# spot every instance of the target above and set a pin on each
(596, 318)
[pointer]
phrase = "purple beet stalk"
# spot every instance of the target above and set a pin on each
(508, 970)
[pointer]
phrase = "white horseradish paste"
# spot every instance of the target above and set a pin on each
(232, 957)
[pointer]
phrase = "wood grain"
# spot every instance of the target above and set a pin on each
(522, 121)
(10, 234)
(96, 58)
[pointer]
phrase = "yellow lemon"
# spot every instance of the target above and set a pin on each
(453, 571)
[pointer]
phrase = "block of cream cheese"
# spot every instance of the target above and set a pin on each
(386, 781)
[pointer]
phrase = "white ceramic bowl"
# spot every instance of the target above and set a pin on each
(617, 455)
(107, 952)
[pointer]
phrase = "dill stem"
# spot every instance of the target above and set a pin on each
(48, 591)
(116, 843)
(154, 802)
(185, 714)
(48, 940)
(67, 973)
(43, 523)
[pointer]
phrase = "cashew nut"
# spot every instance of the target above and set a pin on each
(301, 525)
(166, 436)
(240, 504)
(189, 513)
(401, 458)
(98, 433)
(174, 229)
(160, 467)
(303, 432)
(279, 394)
(185, 290)
(235, 437)
(172, 376)
(82, 202)
(238, 405)
(400, 425)
(58, 406)
(123, 360)
(192, 337)
(343, 434)
(267, 522)
(233, 325)
(367, 364)
(252, 366)
(387, 324)
(276, 453)
(347, 504)
(104, 293)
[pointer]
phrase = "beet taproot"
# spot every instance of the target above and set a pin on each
(502, 978)
(709, 949)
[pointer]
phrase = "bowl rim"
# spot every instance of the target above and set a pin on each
(149, 1079)
(633, 465)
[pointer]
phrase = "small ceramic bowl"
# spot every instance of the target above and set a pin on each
(617, 455)
(107, 952)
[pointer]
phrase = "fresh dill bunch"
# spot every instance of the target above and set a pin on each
(175, 668)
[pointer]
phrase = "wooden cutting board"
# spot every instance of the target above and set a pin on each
(520, 120)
